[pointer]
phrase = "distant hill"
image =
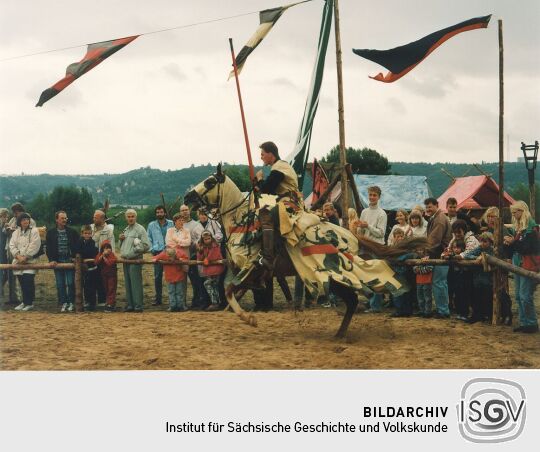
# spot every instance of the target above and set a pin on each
(144, 185)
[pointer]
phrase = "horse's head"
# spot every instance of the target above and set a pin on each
(208, 193)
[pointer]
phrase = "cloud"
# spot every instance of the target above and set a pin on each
(432, 88)
(396, 105)
(174, 71)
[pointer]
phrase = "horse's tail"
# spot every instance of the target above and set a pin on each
(382, 251)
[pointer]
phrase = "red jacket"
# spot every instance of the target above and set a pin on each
(173, 273)
(106, 264)
(210, 254)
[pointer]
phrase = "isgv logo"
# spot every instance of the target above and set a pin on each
(491, 410)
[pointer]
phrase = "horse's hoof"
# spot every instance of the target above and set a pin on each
(253, 320)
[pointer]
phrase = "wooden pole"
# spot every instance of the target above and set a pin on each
(246, 139)
(79, 306)
(354, 188)
(323, 197)
(341, 121)
(499, 274)
(492, 260)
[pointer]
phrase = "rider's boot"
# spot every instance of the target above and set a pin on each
(267, 250)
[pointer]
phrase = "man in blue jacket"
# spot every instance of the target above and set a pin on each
(156, 231)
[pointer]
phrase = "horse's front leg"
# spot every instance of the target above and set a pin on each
(249, 318)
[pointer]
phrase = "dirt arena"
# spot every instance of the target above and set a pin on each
(44, 339)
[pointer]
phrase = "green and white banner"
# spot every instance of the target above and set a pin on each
(299, 157)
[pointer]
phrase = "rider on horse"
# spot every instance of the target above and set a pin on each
(282, 182)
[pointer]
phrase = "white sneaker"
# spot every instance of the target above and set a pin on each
(19, 307)
(64, 307)
(70, 307)
(28, 307)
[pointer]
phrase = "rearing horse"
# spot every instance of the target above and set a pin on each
(323, 255)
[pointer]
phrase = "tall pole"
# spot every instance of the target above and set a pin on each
(246, 139)
(500, 276)
(342, 155)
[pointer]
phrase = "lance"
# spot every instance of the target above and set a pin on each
(246, 139)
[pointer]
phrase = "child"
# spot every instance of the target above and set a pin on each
(482, 305)
(463, 277)
(175, 276)
(106, 262)
(397, 236)
(208, 250)
(403, 302)
(86, 247)
(424, 278)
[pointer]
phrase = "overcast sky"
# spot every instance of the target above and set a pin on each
(164, 100)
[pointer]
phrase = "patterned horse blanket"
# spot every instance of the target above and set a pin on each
(319, 250)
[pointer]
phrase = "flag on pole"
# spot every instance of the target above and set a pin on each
(299, 156)
(320, 181)
(95, 54)
(267, 20)
(403, 59)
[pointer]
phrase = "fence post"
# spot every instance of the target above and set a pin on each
(79, 306)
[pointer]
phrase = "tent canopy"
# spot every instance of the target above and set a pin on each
(398, 192)
(474, 192)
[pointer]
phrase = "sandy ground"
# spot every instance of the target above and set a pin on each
(47, 340)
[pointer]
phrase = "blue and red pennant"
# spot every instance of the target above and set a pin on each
(95, 54)
(403, 59)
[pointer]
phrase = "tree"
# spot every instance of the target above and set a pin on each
(521, 193)
(77, 203)
(363, 161)
(240, 176)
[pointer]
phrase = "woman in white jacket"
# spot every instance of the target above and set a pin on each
(23, 246)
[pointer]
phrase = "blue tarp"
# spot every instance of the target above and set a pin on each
(397, 191)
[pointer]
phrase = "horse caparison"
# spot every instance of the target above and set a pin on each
(219, 191)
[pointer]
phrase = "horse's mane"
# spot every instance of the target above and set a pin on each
(403, 247)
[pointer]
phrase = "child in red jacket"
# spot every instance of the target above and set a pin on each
(175, 275)
(106, 262)
(208, 250)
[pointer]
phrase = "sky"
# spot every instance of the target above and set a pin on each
(164, 100)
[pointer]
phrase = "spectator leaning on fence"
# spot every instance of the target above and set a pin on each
(524, 247)
(157, 231)
(61, 248)
(23, 246)
(482, 299)
(208, 250)
(133, 244)
(101, 233)
(106, 262)
(200, 297)
(438, 236)
(4, 218)
(86, 247)
(175, 275)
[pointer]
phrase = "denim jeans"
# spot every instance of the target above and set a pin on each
(403, 304)
(424, 296)
(440, 289)
(525, 300)
(65, 285)
(375, 302)
(177, 294)
(158, 281)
